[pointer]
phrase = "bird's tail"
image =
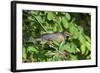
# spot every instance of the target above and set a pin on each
(32, 40)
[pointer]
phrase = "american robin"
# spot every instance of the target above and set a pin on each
(58, 36)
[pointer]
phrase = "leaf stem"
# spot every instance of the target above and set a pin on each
(40, 24)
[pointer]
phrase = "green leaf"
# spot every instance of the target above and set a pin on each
(29, 18)
(68, 16)
(65, 47)
(50, 53)
(55, 27)
(65, 22)
(82, 39)
(59, 28)
(89, 57)
(70, 47)
(73, 47)
(56, 42)
(57, 57)
(32, 49)
(61, 45)
(24, 52)
(73, 57)
(39, 18)
(50, 16)
(33, 13)
(80, 29)
(74, 31)
(83, 49)
(88, 45)
(88, 39)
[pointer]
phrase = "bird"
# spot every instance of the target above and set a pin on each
(57, 36)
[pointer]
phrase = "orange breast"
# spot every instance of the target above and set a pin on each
(61, 38)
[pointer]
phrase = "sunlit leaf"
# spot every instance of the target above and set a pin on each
(82, 39)
(39, 18)
(70, 47)
(32, 49)
(73, 57)
(83, 49)
(50, 16)
(88, 45)
(80, 29)
(65, 22)
(55, 28)
(68, 16)
(74, 31)
(24, 52)
(88, 39)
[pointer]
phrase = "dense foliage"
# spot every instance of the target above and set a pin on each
(75, 47)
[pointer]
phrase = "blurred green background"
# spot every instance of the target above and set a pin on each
(75, 47)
